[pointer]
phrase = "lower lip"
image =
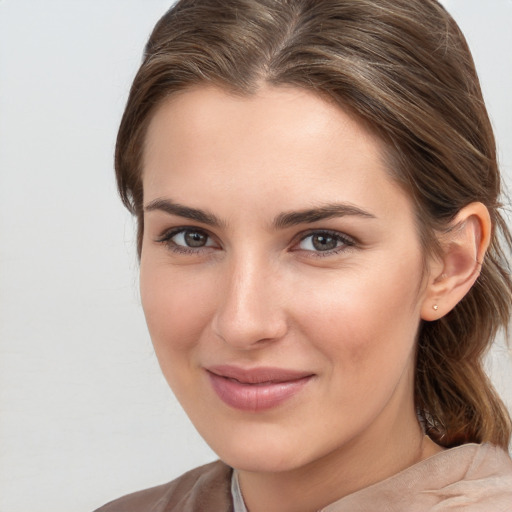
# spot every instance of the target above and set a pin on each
(255, 397)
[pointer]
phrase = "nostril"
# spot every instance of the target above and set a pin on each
(244, 330)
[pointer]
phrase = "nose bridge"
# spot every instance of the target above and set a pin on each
(249, 310)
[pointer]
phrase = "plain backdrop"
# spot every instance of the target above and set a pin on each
(85, 415)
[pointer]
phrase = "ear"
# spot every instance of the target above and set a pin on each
(453, 274)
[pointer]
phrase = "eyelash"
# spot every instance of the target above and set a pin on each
(167, 239)
(347, 242)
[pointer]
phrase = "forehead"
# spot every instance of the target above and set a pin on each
(207, 113)
(281, 144)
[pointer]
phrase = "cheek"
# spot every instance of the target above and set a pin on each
(364, 323)
(176, 306)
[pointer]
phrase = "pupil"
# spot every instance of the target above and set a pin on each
(324, 243)
(195, 239)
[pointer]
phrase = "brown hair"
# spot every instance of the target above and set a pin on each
(403, 67)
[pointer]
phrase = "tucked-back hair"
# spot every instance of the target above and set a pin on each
(404, 68)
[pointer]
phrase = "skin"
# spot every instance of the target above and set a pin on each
(260, 294)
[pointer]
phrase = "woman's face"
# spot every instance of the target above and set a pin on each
(281, 276)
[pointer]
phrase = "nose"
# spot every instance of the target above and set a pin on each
(250, 311)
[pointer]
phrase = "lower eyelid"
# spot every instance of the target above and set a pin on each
(171, 233)
(344, 239)
(166, 239)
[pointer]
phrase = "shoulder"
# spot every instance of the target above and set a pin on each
(489, 459)
(468, 478)
(486, 483)
(204, 488)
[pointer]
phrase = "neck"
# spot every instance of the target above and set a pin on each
(373, 457)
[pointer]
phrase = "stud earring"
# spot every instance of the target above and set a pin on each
(435, 307)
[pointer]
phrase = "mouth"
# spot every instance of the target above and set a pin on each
(256, 389)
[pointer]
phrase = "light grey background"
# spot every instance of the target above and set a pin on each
(85, 415)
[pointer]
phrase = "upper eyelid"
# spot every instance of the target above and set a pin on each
(333, 232)
(301, 235)
(349, 244)
(168, 233)
(166, 236)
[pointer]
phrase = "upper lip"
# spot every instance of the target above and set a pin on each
(258, 375)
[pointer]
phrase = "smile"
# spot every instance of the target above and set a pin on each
(256, 389)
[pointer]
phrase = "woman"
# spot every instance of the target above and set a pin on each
(317, 196)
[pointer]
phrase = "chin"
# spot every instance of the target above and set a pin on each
(262, 452)
(260, 460)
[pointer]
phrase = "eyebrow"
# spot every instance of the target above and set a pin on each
(329, 211)
(196, 214)
(282, 221)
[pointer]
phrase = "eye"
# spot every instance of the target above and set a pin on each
(187, 240)
(328, 242)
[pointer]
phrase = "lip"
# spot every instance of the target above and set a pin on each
(256, 389)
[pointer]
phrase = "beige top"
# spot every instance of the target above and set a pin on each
(469, 478)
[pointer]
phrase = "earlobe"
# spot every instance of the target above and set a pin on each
(463, 248)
